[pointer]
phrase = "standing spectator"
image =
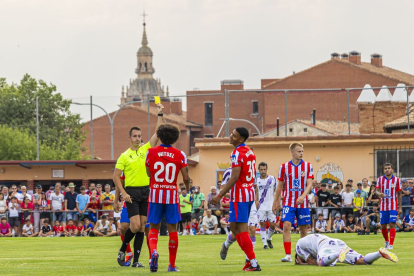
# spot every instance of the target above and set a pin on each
(365, 186)
(50, 191)
(28, 230)
(312, 207)
(36, 202)
(70, 229)
(347, 197)
(14, 215)
(58, 230)
(321, 225)
(198, 202)
(350, 225)
(335, 200)
(99, 189)
(82, 201)
(209, 224)
(101, 227)
(46, 230)
(411, 184)
(314, 187)
(107, 201)
(5, 192)
(338, 224)
(364, 194)
(93, 209)
(350, 181)
(372, 195)
(373, 220)
(3, 206)
(5, 228)
(91, 186)
(330, 188)
(70, 202)
(322, 198)
(341, 187)
(25, 194)
(186, 202)
(26, 207)
(406, 193)
(57, 200)
(192, 188)
(94, 193)
(358, 202)
(409, 221)
(213, 193)
(87, 226)
(44, 208)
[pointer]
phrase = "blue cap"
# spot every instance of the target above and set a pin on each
(358, 191)
(329, 182)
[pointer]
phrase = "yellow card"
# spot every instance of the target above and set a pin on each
(157, 99)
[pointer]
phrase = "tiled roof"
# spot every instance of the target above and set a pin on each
(401, 122)
(384, 71)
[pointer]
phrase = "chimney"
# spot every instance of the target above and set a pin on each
(345, 56)
(355, 57)
(335, 56)
(376, 60)
(176, 107)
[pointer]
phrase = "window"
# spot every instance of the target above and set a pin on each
(208, 135)
(305, 129)
(402, 161)
(255, 107)
(290, 129)
(208, 113)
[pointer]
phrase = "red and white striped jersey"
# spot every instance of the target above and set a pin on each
(390, 188)
(243, 190)
(295, 178)
(164, 162)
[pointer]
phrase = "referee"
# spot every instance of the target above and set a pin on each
(136, 192)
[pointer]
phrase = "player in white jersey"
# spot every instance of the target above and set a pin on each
(252, 223)
(321, 250)
(265, 189)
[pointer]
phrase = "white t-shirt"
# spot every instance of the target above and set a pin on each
(113, 227)
(29, 229)
(311, 197)
(19, 197)
(210, 222)
(347, 197)
(57, 201)
(3, 205)
(101, 226)
(266, 189)
(13, 212)
(338, 223)
(29, 196)
(321, 224)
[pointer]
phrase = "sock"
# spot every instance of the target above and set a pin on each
(139, 239)
(287, 246)
(172, 247)
(263, 235)
(153, 240)
(226, 230)
(372, 257)
(385, 234)
(253, 239)
(270, 233)
(229, 241)
(149, 248)
(392, 235)
(246, 244)
(127, 239)
(328, 260)
(128, 249)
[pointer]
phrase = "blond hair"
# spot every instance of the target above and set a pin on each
(294, 145)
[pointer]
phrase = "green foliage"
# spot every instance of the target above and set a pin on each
(59, 130)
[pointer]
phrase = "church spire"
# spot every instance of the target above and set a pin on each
(144, 35)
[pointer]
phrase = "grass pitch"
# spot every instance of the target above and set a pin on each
(197, 255)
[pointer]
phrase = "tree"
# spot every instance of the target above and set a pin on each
(59, 129)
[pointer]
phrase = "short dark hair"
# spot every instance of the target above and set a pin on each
(375, 204)
(320, 215)
(103, 217)
(336, 187)
(71, 220)
(350, 216)
(323, 185)
(3, 218)
(243, 132)
(168, 133)
(388, 164)
(263, 164)
(46, 221)
(412, 210)
(132, 129)
(82, 188)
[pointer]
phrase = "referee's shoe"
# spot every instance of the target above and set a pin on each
(121, 258)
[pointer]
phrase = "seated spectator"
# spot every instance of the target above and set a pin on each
(70, 229)
(5, 228)
(3, 206)
(399, 225)
(209, 224)
(373, 220)
(113, 228)
(225, 202)
(28, 230)
(321, 225)
(93, 209)
(347, 197)
(338, 223)
(82, 201)
(358, 203)
(224, 221)
(87, 226)
(101, 227)
(58, 229)
(350, 226)
(14, 215)
(195, 225)
(26, 207)
(46, 230)
(81, 230)
(362, 222)
(107, 201)
(409, 222)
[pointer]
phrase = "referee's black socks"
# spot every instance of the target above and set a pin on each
(139, 239)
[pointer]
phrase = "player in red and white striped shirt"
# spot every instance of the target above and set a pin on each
(242, 194)
(163, 165)
(389, 188)
(296, 176)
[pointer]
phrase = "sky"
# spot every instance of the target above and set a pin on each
(88, 48)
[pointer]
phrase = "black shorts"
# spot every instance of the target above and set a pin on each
(44, 215)
(186, 217)
(14, 221)
(139, 197)
(347, 211)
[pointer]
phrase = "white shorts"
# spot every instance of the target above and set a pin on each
(331, 246)
(209, 232)
(266, 215)
(323, 211)
(253, 219)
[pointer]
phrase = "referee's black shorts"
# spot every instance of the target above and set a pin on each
(139, 197)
